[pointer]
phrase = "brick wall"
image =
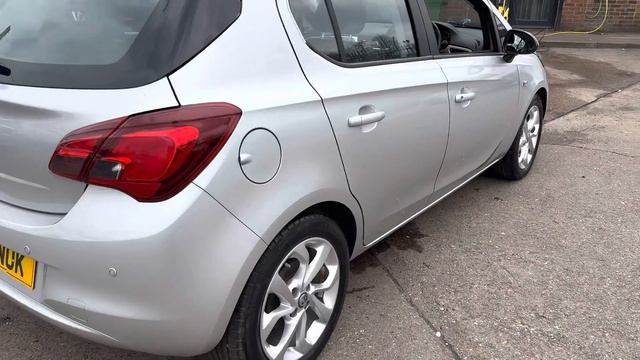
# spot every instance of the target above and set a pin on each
(580, 15)
(454, 10)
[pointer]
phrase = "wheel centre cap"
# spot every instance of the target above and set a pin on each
(303, 300)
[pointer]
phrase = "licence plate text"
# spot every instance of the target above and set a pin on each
(20, 267)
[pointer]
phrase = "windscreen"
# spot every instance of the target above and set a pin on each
(104, 43)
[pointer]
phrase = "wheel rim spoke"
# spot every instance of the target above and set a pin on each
(302, 345)
(328, 283)
(527, 134)
(524, 150)
(320, 309)
(270, 320)
(278, 352)
(322, 252)
(282, 290)
(301, 253)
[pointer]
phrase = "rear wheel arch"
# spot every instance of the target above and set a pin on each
(341, 215)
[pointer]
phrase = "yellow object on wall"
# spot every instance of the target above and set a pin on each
(504, 11)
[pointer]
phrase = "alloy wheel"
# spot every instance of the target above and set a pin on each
(300, 300)
(529, 139)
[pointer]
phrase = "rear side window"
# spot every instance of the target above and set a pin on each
(369, 30)
(104, 43)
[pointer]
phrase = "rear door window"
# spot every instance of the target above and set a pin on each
(361, 30)
(374, 30)
(104, 43)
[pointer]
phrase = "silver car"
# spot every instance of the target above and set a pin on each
(190, 177)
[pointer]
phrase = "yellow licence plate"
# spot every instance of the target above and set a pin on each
(20, 267)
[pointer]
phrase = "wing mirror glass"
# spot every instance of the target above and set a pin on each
(519, 42)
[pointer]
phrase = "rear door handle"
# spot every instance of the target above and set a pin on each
(460, 98)
(360, 120)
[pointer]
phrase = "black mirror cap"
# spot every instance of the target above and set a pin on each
(519, 42)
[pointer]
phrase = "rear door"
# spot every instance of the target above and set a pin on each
(483, 88)
(386, 99)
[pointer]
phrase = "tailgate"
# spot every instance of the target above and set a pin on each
(34, 120)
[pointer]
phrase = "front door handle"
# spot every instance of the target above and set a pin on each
(462, 97)
(360, 120)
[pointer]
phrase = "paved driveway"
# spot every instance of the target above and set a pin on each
(544, 268)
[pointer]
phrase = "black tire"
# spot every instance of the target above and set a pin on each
(508, 168)
(242, 338)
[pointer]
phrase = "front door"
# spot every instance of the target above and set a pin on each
(484, 95)
(483, 88)
(387, 102)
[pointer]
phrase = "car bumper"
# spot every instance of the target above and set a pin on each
(180, 266)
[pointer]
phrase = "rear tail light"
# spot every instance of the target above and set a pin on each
(150, 156)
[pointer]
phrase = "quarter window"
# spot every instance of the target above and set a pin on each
(502, 30)
(314, 22)
(369, 30)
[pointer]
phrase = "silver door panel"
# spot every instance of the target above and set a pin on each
(392, 164)
(483, 119)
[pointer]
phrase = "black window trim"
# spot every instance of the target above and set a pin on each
(497, 46)
(418, 26)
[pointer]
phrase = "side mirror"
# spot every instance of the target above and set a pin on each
(518, 42)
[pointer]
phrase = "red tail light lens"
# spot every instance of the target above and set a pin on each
(151, 156)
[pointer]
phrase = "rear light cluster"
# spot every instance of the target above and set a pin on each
(151, 156)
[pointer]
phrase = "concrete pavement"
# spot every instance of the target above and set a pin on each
(578, 77)
(583, 41)
(543, 268)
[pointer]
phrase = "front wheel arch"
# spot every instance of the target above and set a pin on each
(542, 93)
